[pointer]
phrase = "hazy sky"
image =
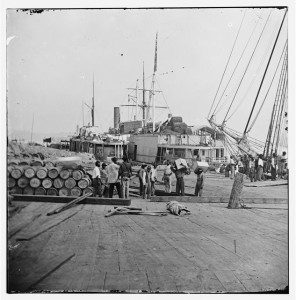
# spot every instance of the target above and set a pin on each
(53, 55)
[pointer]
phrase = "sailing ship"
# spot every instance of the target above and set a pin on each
(241, 143)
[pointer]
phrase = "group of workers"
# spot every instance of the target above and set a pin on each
(107, 177)
(256, 167)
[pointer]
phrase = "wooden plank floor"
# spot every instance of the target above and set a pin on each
(212, 250)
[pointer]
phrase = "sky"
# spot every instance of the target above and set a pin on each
(52, 56)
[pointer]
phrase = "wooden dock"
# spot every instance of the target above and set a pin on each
(212, 250)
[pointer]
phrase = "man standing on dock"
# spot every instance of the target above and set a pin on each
(142, 179)
(167, 177)
(232, 166)
(273, 167)
(112, 171)
(199, 182)
(153, 178)
(97, 180)
(180, 187)
(125, 173)
(104, 180)
(260, 168)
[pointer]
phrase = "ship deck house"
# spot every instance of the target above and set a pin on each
(156, 147)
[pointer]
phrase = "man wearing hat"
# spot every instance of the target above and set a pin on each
(112, 171)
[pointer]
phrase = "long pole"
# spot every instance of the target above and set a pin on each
(93, 103)
(137, 100)
(153, 82)
(144, 103)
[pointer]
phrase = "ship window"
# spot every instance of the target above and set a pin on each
(203, 152)
(195, 151)
(180, 153)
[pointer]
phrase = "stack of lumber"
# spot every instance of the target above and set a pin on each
(47, 178)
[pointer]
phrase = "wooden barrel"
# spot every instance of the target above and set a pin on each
(22, 182)
(28, 190)
(24, 162)
(9, 169)
(52, 192)
(40, 191)
(29, 172)
(47, 183)
(11, 182)
(84, 183)
(41, 172)
(53, 173)
(65, 173)
(70, 183)
(49, 164)
(13, 162)
(77, 175)
(58, 183)
(17, 172)
(37, 163)
(64, 192)
(87, 190)
(35, 182)
(76, 191)
(16, 190)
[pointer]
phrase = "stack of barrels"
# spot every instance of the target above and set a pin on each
(40, 178)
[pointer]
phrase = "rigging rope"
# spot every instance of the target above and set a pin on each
(274, 111)
(227, 62)
(248, 65)
(249, 88)
(236, 67)
(255, 119)
(266, 70)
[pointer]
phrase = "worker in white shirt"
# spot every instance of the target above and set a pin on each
(273, 167)
(97, 184)
(260, 168)
(232, 167)
(153, 178)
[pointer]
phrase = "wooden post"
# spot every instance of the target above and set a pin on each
(236, 191)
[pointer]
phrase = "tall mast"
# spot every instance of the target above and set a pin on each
(153, 83)
(93, 103)
(136, 117)
(144, 103)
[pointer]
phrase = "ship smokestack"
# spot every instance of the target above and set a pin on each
(116, 117)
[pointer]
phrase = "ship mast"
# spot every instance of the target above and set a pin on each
(144, 103)
(93, 103)
(153, 83)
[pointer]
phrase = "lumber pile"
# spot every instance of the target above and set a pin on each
(40, 177)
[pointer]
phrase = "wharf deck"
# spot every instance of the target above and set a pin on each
(212, 250)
